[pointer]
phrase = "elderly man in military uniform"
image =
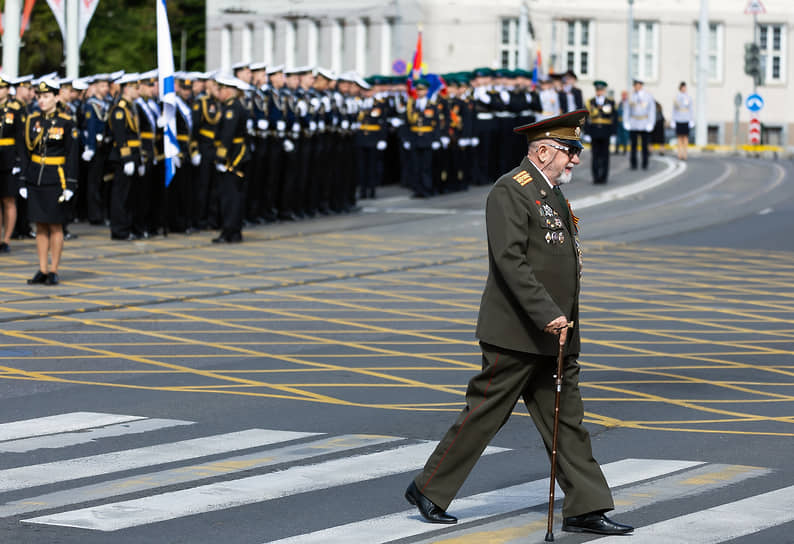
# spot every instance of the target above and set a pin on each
(531, 299)
(639, 118)
(601, 125)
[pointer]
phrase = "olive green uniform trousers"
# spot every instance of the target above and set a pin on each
(490, 398)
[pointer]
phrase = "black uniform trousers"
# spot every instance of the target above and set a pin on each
(203, 187)
(122, 200)
(422, 171)
(95, 189)
(232, 189)
(600, 165)
(491, 396)
(369, 165)
(644, 139)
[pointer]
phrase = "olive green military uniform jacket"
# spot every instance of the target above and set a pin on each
(534, 264)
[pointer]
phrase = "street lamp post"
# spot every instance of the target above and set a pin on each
(701, 129)
(629, 75)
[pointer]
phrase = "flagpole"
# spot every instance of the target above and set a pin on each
(11, 38)
(72, 39)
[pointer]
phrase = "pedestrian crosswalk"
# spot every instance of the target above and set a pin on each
(204, 473)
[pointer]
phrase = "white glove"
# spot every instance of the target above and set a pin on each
(691, 124)
(23, 192)
(435, 145)
(406, 145)
(141, 170)
(649, 128)
(587, 138)
(296, 127)
(280, 126)
(220, 167)
(475, 141)
(321, 125)
(129, 168)
(381, 145)
(445, 141)
(464, 142)
(312, 126)
(345, 124)
(87, 155)
(262, 124)
(67, 195)
(161, 122)
(177, 161)
(195, 159)
(396, 122)
(15, 170)
(249, 126)
(289, 147)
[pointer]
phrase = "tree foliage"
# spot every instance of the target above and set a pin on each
(122, 35)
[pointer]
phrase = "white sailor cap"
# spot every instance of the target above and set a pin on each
(257, 66)
(275, 69)
(22, 80)
(361, 83)
(240, 65)
(116, 75)
(79, 84)
(47, 85)
(151, 74)
(327, 74)
(350, 77)
(127, 78)
(227, 80)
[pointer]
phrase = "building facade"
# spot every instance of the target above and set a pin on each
(590, 38)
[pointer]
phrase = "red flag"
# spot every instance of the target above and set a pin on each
(417, 67)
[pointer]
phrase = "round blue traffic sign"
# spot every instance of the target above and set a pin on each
(754, 102)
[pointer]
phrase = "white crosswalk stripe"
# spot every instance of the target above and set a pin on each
(721, 523)
(312, 462)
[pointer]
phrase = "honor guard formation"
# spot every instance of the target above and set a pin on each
(264, 144)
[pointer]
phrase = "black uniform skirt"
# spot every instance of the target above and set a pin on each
(8, 184)
(682, 129)
(43, 205)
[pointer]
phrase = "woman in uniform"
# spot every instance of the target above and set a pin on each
(49, 153)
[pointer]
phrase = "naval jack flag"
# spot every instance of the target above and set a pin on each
(165, 71)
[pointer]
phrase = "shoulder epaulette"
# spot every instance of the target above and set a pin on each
(65, 116)
(523, 178)
(14, 105)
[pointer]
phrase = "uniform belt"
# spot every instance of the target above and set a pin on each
(238, 140)
(504, 114)
(485, 116)
(52, 161)
(525, 113)
(207, 133)
(7, 141)
(639, 116)
(601, 121)
(182, 137)
(149, 135)
(421, 129)
(133, 143)
(370, 128)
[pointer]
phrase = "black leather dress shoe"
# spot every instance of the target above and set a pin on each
(38, 277)
(4, 248)
(429, 511)
(220, 240)
(594, 523)
(52, 279)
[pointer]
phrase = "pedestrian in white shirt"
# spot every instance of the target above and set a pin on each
(639, 118)
(683, 119)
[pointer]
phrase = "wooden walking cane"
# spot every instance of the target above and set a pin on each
(558, 386)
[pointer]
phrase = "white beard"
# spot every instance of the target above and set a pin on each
(565, 177)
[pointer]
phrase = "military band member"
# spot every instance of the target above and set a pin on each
(125, 156)
(423, 129)
(12, 123)
(25, 95)
(639, 118)
(49, 152)
(601, 125)
(232, 155)
(370, 141)
(95, 149)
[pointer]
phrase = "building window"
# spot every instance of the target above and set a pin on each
(508, 43)
(715, 46)
(578, 49)
(645, 51)
(773, 47)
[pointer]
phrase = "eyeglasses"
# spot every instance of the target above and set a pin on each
(572, 152)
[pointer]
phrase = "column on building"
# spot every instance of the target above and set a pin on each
(285, 42)
(336, 45)
(246, 43)
(311, 45)
(379, 56)
(361, 46)
(268, 43)
(226, 48)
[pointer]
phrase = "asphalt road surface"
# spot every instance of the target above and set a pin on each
(288, 388)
